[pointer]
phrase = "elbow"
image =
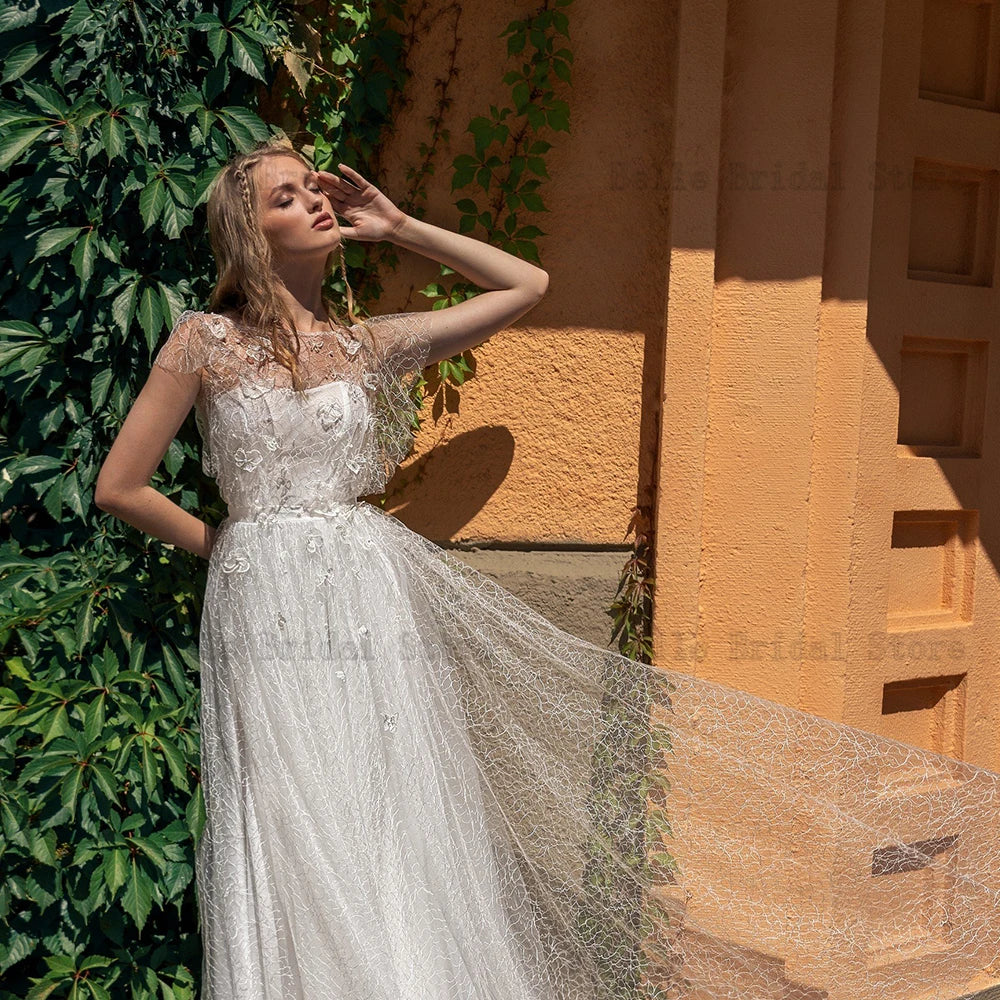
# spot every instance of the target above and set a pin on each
(104, 500)
(106, 495)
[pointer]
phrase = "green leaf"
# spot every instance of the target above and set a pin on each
(151, 850)
(97, 991)
(194, 814)
(248, 56)
(105, 780)
(21, 58)
(57, 724)
(138, 897)
(100, 384)
(537, 166)
(85, 255)
(150, 314)
(174, 669)
(85, 623)
(93, 718)
(175, 218)
(150, 772)
(151, 201)
(43, 846)
(244, 127)
(53, 240)
(47, 98)
(69, 788)
(175, 761)
(24, 345)
(123, 306)
(113, 136)
(558, 117)
(521, 95)
(43, 989)
(72, 494)
(12, 17)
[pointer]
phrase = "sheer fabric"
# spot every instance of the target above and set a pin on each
(419, 788)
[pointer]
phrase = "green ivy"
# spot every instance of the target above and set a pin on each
(113, 118)
(500, 179)
(344, 81)
(506, 168)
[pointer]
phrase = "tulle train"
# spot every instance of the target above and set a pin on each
(419, 788)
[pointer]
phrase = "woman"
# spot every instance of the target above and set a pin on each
(418, 787)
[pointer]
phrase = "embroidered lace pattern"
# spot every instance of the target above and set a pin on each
(368, 366)
(419, 788)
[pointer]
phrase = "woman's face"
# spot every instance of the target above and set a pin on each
(291, 203)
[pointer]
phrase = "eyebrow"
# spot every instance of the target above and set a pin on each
(287, 184)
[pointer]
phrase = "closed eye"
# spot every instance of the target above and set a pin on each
(284, 204)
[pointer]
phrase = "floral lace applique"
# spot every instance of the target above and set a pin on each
(349, 344)
(248, 460)
(249, 437)
(330, 414)
(235, 561)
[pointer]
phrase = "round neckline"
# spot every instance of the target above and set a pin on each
(303, 333)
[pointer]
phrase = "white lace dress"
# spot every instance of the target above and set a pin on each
(418, 788)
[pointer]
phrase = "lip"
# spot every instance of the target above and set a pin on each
(325, 220)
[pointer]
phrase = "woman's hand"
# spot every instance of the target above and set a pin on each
(372, 216)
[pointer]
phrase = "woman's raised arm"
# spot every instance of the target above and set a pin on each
(514, 286)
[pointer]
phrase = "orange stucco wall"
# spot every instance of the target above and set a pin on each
(825, 526)
(552, 432)
(772, 253)
(773, 301)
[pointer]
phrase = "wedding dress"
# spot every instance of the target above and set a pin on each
(419, 788)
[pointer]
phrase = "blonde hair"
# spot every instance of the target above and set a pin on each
(246, 283)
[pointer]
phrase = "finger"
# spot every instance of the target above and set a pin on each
(329, 180)
(342, 198)
(352, 176)
(340, 193)
(342, 220)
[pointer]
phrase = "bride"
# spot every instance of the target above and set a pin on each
(419, 788)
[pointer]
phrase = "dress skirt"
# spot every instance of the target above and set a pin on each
(418, 788)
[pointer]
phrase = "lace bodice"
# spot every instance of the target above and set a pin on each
(272, 448)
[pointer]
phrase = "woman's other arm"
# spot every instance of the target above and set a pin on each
(123, 488)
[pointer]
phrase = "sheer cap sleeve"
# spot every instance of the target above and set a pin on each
(397, 346)
(184, 351)
(398, 343)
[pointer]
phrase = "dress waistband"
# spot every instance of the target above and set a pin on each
(270, 514)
